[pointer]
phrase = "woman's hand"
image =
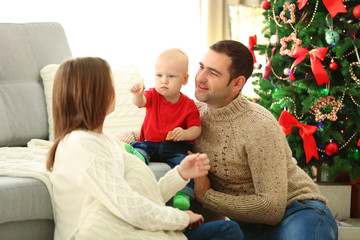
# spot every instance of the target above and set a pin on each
(195, 219)
(194, 166)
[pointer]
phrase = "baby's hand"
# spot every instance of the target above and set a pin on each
(194, 166)
(178, 134)
(138, 88)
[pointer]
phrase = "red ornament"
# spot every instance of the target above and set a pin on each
(267, 69)
(331, 149)
(333, 66)
(356, 11)
(265, 5)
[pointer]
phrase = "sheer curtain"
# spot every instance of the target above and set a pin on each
(121, 31)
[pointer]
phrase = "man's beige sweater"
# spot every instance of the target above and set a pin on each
(253, 175)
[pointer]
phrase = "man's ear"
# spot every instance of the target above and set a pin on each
(186, 78)
(239, 83)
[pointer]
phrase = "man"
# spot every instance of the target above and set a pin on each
(253, 178)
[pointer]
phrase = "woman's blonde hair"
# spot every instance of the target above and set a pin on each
(82, 94)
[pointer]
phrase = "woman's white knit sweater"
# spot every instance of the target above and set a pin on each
(103, 192)
(253, 175)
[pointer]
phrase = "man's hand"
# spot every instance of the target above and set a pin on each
(202, 185)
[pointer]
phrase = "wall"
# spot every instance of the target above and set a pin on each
(121, 31)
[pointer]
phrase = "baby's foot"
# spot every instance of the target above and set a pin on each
(131, 150)
(181, 201)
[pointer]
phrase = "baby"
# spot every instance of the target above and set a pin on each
(167, 111)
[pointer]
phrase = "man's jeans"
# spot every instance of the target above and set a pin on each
(303, 220)
(216, 230)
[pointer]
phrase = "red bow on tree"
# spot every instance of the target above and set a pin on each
(252, 43)
(287, 121)
(317, 68)
(358, 143)
(333, 6)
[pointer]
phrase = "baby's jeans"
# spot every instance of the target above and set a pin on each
(169, 152)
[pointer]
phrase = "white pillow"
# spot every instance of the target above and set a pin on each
(126, 117)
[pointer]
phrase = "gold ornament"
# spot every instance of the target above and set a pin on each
(290, 7)
(284, 40)
(323, 102)
(293, 102)
(352, 74)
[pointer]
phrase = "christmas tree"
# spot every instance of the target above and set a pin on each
(311, 80)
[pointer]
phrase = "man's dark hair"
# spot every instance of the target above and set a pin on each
(242, 59)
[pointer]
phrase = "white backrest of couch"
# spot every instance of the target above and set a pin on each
(24, 50)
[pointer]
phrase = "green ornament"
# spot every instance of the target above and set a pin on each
(332, 37)
(324, 91)
(354, 154)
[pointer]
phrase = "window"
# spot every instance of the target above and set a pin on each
(120, 31)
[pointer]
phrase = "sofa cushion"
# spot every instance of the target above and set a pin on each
(25, 199)
(25, 49)
(126, 115)
(29, 230)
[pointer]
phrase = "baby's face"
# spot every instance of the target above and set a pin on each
(170, 75)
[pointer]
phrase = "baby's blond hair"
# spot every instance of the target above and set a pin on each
(176, 53)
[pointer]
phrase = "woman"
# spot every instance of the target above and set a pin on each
(100, 190)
